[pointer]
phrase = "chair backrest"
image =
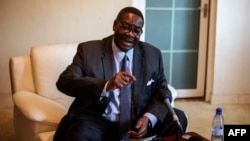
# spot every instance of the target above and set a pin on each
(21, 74)
(48, 62)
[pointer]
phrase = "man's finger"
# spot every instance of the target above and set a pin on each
(130, 76)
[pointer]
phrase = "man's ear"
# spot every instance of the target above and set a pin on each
(115, 25)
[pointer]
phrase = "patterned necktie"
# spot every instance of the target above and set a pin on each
(125, 103)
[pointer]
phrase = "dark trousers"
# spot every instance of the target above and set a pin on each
(85, 127)
(169, 127)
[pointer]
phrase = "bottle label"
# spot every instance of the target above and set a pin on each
(217, 131)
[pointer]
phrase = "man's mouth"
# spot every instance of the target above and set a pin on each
(127, 45)
(128, 42)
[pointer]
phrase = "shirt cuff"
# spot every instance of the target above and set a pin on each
(152, 118)
(105, 93)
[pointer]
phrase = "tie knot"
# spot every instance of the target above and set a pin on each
(125, 58)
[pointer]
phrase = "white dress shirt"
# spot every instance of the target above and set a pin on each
(112, 111)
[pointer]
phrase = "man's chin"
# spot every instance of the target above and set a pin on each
(125, 48)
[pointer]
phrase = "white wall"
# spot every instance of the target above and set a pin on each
(231, 80)
(25, 23)
(33, 22)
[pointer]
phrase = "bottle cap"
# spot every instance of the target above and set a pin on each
(218, 110)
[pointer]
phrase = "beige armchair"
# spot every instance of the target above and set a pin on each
(38, 105)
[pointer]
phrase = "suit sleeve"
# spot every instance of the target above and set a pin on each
(74, 80)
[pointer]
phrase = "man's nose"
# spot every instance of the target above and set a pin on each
(130, 33)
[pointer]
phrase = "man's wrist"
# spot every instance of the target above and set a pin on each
(149, 122)
(152, 119)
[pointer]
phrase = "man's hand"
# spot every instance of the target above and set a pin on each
(120, 80)
(140, 128)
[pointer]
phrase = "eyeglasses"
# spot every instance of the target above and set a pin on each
(137, 31)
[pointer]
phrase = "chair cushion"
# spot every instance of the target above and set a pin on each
(48, 62)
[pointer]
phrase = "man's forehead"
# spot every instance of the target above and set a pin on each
(130, 14)
(131, 17)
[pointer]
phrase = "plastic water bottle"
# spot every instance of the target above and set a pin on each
(218, 126)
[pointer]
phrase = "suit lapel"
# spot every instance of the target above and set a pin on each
(138, 66)
(107, 58)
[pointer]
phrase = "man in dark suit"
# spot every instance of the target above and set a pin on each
(97, 82)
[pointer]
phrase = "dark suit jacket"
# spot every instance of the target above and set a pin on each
(92, 67)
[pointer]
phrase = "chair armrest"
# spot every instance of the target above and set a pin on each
(37, 108)
(173, 92)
